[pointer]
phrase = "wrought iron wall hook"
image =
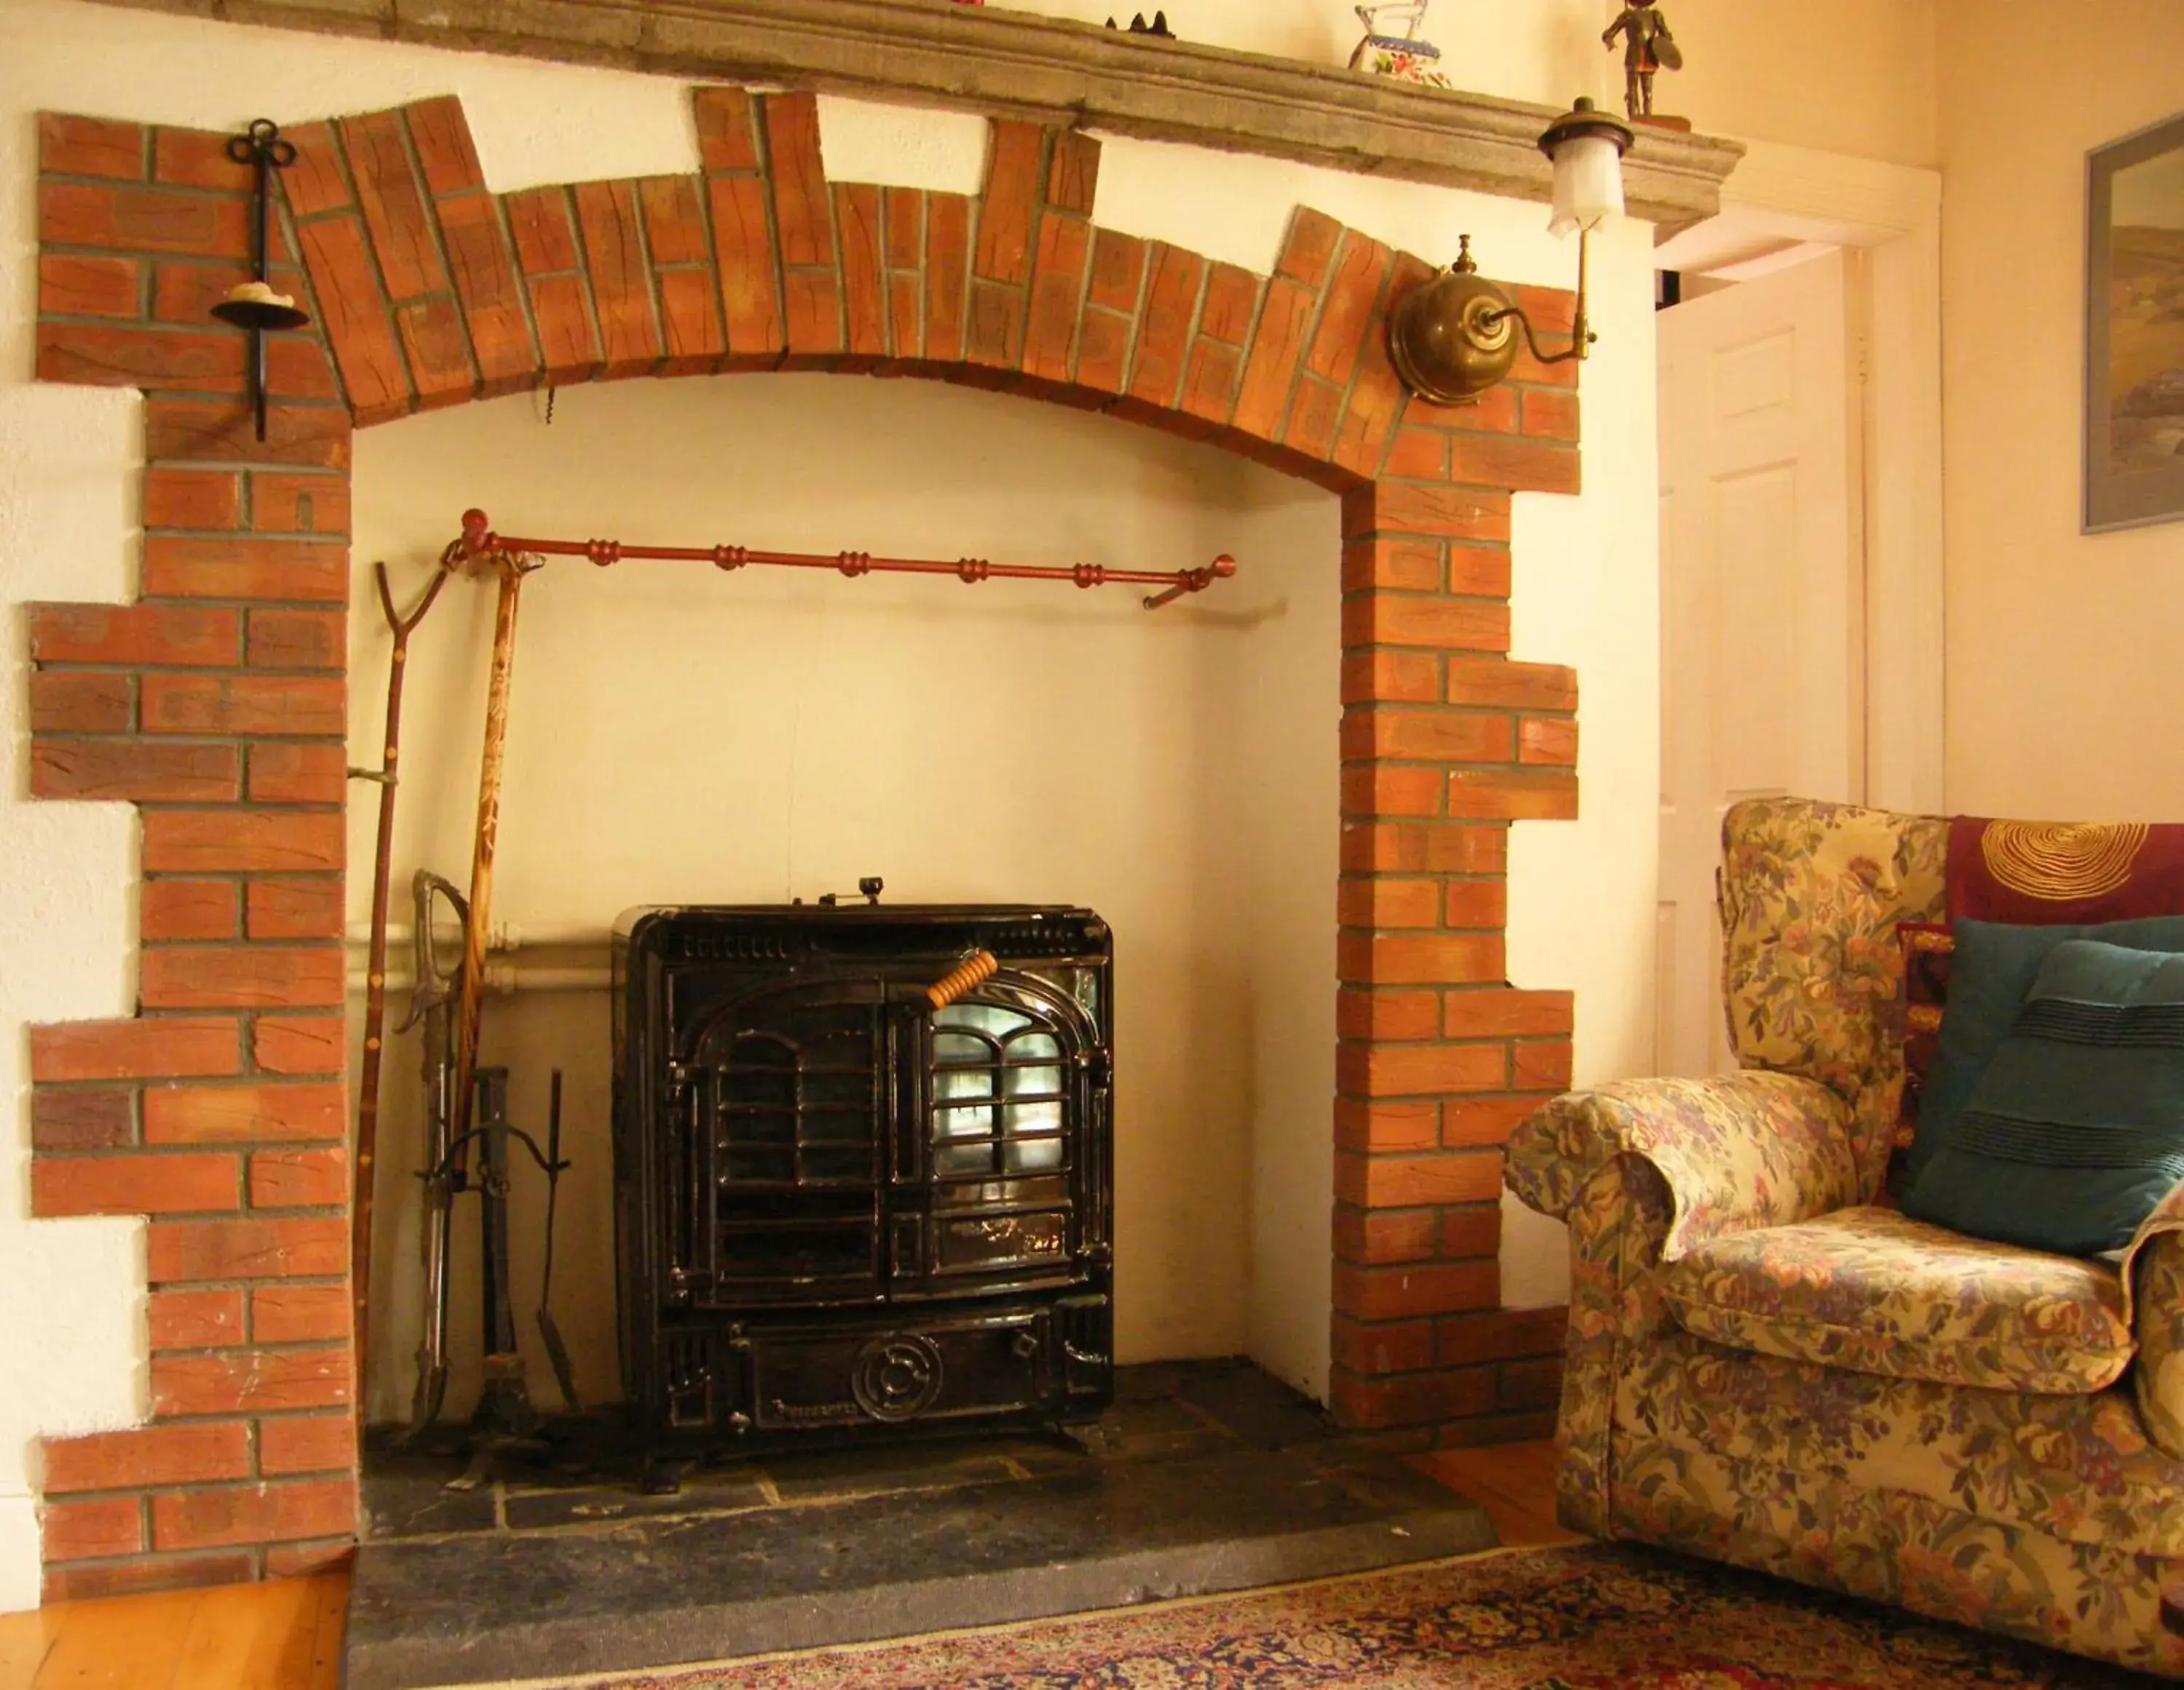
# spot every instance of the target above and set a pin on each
(252, 306)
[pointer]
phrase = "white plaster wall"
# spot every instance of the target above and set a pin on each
(1587, 571)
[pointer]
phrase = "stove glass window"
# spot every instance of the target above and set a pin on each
(997, 1092)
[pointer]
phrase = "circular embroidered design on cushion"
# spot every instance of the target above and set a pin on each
(2061, 862)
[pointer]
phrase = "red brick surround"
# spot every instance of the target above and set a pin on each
(215, 703)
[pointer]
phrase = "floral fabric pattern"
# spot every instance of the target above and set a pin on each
(2160, 1376)
(2077, 1468)
(1736, 1150)
(1898, 1546)
(1873, 1290)
(1617, 1228)
(1811, 897)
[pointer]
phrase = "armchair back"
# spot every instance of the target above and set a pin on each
(1810, 895)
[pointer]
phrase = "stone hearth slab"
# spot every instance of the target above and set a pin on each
(1212, 1477)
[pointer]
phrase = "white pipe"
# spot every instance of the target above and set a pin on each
(507, 977)
(501, 935)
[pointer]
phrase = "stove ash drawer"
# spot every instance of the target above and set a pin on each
(1020, 1364)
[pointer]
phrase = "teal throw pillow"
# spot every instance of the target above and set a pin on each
(1994, 965)
(2075, 1131)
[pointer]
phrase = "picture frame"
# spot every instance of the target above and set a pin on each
(2134, 416)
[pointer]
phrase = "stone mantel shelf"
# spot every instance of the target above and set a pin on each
(1015, 64)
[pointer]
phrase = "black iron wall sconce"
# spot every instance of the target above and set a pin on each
(252, 306)
(1456, 336)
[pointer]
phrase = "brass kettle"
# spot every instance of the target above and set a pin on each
(1456, 336)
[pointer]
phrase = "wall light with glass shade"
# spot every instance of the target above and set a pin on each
(1456, 336)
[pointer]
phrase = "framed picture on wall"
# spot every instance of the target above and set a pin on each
(2135, 329)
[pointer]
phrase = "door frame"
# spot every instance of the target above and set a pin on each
(1891, 216)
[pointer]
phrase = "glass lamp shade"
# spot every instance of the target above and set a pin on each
(1588, 183)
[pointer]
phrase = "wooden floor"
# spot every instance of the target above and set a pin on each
(285, 1634)
(1514, 1483)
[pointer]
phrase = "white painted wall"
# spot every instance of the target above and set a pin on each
(1580, 893)
(2064, 695)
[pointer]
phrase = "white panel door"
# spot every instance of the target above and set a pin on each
(1762, 622)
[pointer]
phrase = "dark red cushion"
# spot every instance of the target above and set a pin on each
(2042, 874)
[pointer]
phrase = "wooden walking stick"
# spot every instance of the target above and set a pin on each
(375, 977)
(478, 545)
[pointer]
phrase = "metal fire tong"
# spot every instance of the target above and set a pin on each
(504, 1415)
(432, 1006)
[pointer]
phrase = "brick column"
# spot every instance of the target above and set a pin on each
(1445, 742)
(215, 703)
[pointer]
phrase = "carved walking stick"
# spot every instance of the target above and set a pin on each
(375, 977)
(511, 566)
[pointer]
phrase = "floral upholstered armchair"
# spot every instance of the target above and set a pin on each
(1768, 1364)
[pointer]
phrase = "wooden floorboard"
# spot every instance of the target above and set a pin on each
(1514, 1483)
(285, 1634)
(25, 1640)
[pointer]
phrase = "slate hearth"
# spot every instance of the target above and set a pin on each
(1207, 1477)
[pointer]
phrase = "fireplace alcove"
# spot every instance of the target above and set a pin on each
(682, 736)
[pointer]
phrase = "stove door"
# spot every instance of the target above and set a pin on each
(787, 1093)
(1001, 1100)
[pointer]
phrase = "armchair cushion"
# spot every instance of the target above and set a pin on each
(1875, 1290)
(2075, 1131)
(1991, 969)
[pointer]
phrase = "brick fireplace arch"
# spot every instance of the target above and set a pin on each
(216, 703)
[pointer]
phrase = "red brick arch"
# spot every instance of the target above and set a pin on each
(216, 703)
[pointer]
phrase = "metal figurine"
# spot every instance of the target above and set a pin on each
(253, 305)
(1139, 26)
(375, 977)
(1647, 46)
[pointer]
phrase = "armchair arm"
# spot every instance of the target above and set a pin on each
(2153, 1278)
(1735, 1151)
(1641, 1169)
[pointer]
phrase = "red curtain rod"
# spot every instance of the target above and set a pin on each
(479, 540)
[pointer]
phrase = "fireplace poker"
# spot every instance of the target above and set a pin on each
(375, 979)
(549, 1329)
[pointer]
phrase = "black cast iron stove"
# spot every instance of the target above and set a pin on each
(851, 1204)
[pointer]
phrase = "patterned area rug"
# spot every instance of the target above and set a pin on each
(1588, 1617)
